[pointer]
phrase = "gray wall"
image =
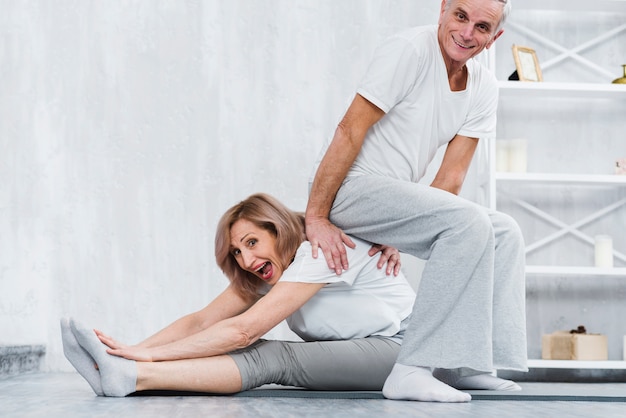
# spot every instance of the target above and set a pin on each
(128, 127)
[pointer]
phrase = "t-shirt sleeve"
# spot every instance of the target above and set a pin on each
(306, 269)
(481, 119)
(391, 73)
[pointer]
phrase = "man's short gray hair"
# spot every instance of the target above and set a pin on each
(506, 11)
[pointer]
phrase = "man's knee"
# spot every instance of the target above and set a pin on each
(507, 229)
(475, 224)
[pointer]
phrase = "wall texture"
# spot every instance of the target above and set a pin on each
(128, 127)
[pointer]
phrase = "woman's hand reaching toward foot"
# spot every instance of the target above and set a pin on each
(129, 352)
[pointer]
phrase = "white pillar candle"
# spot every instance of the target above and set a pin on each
(502, 156)
(604, 251)
(518, 159)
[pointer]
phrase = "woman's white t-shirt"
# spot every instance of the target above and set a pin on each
(362, 302)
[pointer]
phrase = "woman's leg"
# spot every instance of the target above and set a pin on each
(359, 364)
(217, 374)
(120, 377)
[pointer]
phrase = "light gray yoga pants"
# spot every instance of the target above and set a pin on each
(359, 364)
(470, 305)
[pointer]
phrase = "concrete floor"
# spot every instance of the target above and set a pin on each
(68, 395)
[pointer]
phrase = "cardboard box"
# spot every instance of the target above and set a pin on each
(563, 345)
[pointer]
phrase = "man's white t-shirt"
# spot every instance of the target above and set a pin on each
(407, 79)
(362, 302)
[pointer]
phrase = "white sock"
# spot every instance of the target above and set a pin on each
(482, 381)
(418, 384)
(118, 375)
(79, 358)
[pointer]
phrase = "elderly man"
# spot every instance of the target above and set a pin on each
(422, 90)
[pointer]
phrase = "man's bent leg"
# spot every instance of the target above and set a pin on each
(451, 323)
(509, 303)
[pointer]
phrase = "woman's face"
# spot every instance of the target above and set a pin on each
(254, 250)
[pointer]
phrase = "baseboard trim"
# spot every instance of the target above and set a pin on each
(19, 359)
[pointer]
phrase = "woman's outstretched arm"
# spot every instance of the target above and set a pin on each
(226, 305)
(230, 333)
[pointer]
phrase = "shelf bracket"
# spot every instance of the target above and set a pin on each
(573, 53)
(567, 228)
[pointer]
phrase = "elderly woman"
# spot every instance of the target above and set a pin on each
(352, 325)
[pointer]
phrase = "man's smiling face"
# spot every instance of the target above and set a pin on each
(467, 27)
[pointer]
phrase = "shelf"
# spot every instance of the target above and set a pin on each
(563, 228)
(562, 90)
(572, 5)
(576, 364)
(583, 37)
(577, 179)
(572, 271)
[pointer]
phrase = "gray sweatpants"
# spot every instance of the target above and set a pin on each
(359, 364)
(470, 305)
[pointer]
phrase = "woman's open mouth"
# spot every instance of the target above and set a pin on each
(266, 270)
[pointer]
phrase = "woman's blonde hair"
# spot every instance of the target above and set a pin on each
(269, 214)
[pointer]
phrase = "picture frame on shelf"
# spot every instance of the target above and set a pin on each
(527, 64)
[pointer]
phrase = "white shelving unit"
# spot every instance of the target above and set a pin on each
(564, 228)
(565, 90)
(589, 179)
(573, 5)
(507, 183)
(574, 364)
(575, 271)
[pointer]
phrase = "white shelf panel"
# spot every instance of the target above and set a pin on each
(575, 364)
(550, 89)
(576, 271)
(591, 179)
(571, 5)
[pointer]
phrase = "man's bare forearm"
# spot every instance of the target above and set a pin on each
(330, 174)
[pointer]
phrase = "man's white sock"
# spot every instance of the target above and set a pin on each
(418, 384)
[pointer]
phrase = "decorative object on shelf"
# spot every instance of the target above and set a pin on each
(511, 155)
(518, 155)
(603, 251)
(622, 79)
(526, 63)
(620, 166)
(502, 155)
(574, 345)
